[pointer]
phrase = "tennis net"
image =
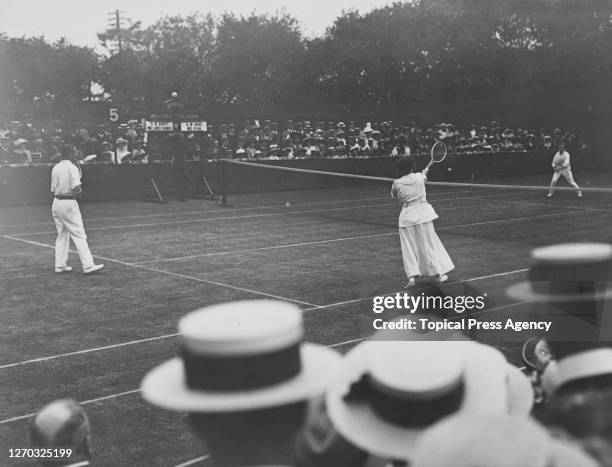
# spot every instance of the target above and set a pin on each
(520, 213)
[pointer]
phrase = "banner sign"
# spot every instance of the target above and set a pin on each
(158, 126)
(190, 123)
(193, 126)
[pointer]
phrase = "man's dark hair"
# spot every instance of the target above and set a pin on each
(405, 165)
(67, 151)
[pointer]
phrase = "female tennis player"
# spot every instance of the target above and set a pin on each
(422, 251)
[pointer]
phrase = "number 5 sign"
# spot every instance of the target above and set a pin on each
(113, 114)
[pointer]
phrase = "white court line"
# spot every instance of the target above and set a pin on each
(166, 336)
(274, 247)
(85, 351)
(212, 219)
(206, 211)
(134, 391)
(87, 402)
(170, 273)
(446, 229)
(193, 461)
(280, 211)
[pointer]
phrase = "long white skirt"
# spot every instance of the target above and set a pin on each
(423, 252)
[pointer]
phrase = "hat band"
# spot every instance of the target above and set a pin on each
(240, 372)
(568, 288)
(405, 412)
(572, 272)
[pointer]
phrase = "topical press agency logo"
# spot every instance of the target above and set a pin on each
(459, 307)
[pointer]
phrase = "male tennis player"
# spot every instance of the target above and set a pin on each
(561, 166)
(66, 188)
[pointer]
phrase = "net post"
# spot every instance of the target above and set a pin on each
(223, 198)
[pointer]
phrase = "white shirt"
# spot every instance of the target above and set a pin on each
(65, 177)
(410, 191)
(561, 159)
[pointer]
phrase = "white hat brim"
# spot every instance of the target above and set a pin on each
(165, 386)
(485, 392)
(524, 291)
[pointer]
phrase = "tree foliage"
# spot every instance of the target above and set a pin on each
(421, 50)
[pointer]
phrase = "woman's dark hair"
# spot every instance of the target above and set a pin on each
(405, 165)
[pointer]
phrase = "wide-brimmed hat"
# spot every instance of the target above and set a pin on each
(241, 356)
(388, 392)
(477, 440)
(567, 272)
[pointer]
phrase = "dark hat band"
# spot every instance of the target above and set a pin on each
(572, 272)
(240, 372)
(405, 412)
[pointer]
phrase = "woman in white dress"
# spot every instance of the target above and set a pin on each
(422, 250)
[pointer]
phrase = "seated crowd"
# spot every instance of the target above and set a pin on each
(257, 395)
(25, 143)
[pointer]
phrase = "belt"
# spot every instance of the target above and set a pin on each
(64, 197)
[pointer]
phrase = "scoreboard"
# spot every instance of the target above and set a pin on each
(158, 126)
(194, 126)
(190, 123)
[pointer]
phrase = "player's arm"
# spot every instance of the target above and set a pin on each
(394, 190)
(75, 181)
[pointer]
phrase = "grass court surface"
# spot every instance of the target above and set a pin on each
(92, 338)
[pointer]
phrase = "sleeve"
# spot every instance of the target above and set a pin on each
(394, 190)
(424, 173)
(75, 176)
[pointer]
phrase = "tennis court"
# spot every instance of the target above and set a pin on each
(329, 250)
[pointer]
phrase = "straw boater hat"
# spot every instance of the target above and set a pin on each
(388, 392)
(477, 440)
(572, 280)
(241, 356)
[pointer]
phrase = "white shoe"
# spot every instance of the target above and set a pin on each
(549, 195)
(63, 269)
(92, 269)
(441, 278)
(579, 194)
(411, 283)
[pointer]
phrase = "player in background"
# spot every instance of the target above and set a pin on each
(66, 189)
(561, 166)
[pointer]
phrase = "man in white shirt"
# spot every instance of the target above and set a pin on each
(66, 188)
(561, 166)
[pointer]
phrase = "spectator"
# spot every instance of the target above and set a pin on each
(21, 152)
(62, 424)
(244, 377)
(122, 151)
(477, 440)
(388, 392)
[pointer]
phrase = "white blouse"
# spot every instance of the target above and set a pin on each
(410, 191)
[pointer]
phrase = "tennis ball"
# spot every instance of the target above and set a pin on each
(450, 169)
(287, 204)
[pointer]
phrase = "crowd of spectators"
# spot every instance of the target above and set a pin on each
(258, 395)
(22, 142)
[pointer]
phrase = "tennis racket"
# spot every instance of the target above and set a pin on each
(438, 152)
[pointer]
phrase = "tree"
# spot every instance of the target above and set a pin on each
(37, 71)
(255, 59)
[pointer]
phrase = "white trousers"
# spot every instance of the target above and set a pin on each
(422, 251)
(69, 225)
(567, 174)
